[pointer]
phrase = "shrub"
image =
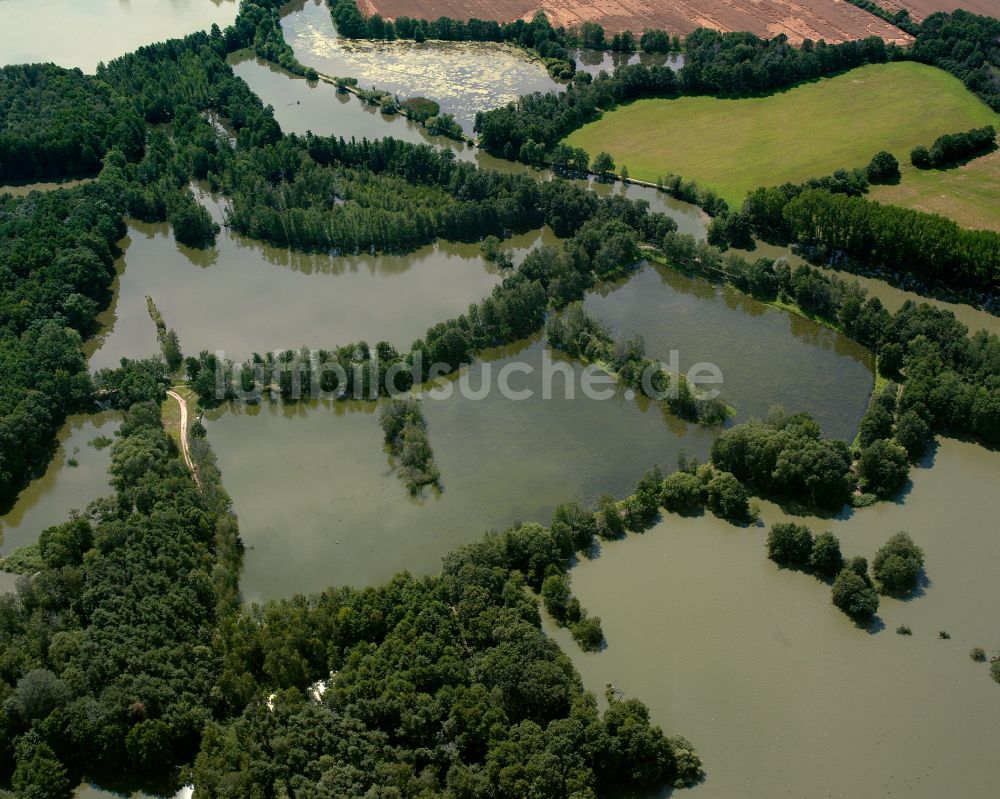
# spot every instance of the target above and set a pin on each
(825, 558)
(978, 654)
(789, 544)
(853, 595)
(883, 168)
(903, 629)
(681, 493)
(588, 633)
(897, 565)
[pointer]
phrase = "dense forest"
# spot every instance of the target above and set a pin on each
(58, 123)
(56, 265)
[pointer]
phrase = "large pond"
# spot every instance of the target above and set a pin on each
(76, 475)
(343, 517)
(242, 296)
(463, 77)
(766, 356)
(82, 33)
(779, 691)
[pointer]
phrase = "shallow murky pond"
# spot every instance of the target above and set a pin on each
(463, 77)
(780, 692)
(82, 33)
(342, 516)
(766, 356)
(49, 499)
(242, 296)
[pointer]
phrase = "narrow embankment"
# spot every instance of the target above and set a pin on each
(184, 434)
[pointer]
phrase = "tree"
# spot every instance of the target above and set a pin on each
(789, 544)
(913, 433)
(883, 168)
(896, 566)
(825, 558)
(588, 633)
(681, 493)
(727, 498)
(920, 157)
(38, 774)
(883, 467)
(172, 350)
(604, 164)
(853, 595)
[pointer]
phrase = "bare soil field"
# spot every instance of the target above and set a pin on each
(832, 20)
(919, 9)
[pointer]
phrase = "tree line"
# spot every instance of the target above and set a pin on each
(951, 148)
(578, 334)
(718, 64)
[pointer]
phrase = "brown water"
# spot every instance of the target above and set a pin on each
(81, 33)
(344, 517)
(301, 106)
(242, 296)
(463, 77)
(767, 356)
(779, 691)
(49, 499)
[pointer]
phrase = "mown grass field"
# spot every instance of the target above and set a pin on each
(733, 146)
(969, 194)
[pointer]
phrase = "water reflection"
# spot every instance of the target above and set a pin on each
(76, 475)
(243, 296)
(595, 61)
(343, 517)
(767, 356)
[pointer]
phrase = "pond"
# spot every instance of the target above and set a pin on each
(82, 34)
(463, 77)
(767, 356)
(242, 296)
(343, 517)
(778, 690)
(48, 500)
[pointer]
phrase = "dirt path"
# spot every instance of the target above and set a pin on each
(184, 434)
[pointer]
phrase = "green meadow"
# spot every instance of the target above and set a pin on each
(733, 146)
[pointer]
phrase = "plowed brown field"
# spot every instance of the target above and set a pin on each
(832, 20)
(923, 8)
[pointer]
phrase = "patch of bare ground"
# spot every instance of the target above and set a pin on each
(920, 9)
(832, 20)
